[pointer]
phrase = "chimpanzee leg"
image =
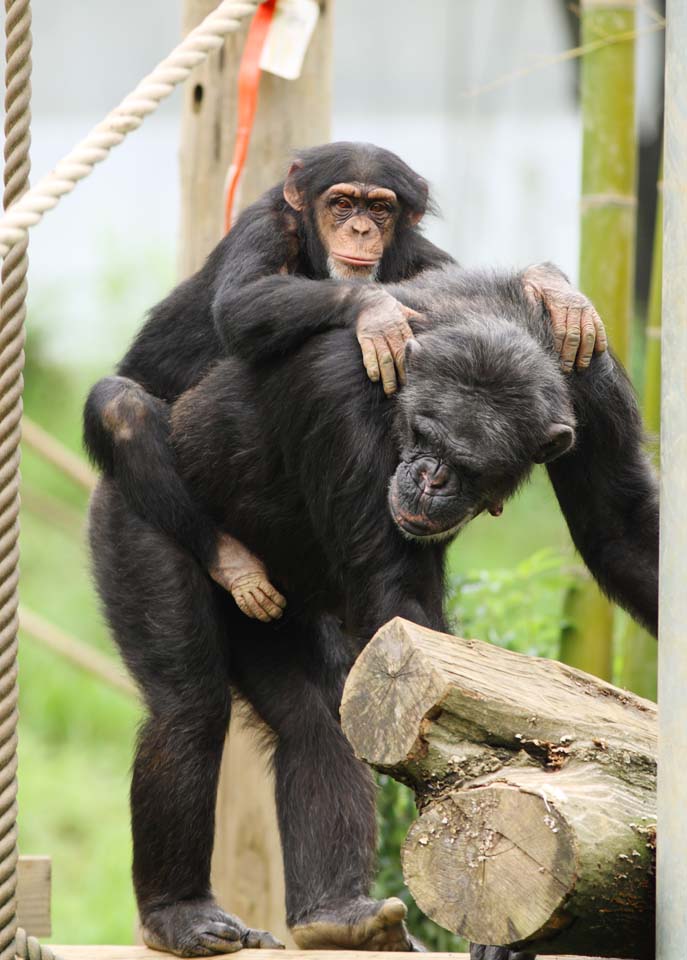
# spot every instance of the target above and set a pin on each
(126, 432)
(497, 953)
(167, 619)
(325, 797)
(608, 491)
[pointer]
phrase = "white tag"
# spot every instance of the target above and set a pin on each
(288, 37)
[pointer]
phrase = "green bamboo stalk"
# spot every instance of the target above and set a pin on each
(607, 245)
(638, 651)
(652, 377)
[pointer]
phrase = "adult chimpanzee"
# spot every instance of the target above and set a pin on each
(289, 448)
(346, 211)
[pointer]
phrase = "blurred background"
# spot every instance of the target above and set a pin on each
(471, 93)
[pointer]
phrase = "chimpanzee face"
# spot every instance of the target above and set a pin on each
(472, 423)
(355, 222)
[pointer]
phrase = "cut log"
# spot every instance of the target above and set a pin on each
(536, 785)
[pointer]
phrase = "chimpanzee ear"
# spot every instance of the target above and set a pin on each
(560, 438)
(292, 194)
(420, 207)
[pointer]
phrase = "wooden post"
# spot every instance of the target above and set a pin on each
(672, 659)
(536, 785)
(247, 866)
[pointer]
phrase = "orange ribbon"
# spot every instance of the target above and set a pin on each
(248, 83)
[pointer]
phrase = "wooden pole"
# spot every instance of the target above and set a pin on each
(607, 244)
(672, 661)
(247, 867)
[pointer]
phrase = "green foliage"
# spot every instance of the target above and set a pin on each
(517, 608)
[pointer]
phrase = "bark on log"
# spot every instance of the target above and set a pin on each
(536, 785)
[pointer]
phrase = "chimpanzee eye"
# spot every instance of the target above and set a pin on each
(379, 207)
(343, 203)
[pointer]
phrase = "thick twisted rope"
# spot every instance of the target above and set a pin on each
(125, 118)
(24, 208)
(12, 312)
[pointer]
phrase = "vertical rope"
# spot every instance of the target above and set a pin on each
(12, 313)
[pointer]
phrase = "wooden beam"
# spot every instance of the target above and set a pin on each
(247, 869)
(33, 895)
(142, 953)
(61, 457)
(536, 785)
(80, 654)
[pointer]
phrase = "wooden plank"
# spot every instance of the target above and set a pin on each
(33, 895)
(142, 953)
(247, 869)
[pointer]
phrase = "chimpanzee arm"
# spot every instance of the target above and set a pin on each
(126, 419)
(275, 315)
(608, 491)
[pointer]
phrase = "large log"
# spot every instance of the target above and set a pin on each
(536, 785)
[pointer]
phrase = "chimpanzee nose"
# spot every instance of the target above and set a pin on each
(440, 476)
(360, 225)
(432, 475)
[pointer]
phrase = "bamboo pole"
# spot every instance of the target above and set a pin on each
(607, 245)
(652, 378)
(672, 664)
(639, 654)
(247, 868)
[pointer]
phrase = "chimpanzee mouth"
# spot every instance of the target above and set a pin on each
(414, 531)
(355, 261)
(420, 526)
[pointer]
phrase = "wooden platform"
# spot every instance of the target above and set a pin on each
(142, 953)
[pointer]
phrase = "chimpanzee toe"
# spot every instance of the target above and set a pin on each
(199, 928)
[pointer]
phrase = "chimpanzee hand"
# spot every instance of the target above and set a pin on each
(383, 331)
(244, 576)
(577, 327)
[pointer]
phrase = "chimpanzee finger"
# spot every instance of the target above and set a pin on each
(273, 594)
(397, 345)
(273, 611)
(386, 366)
(584, 354)
(601, 339)
(250, 608)
(558, 325)
(572, 338)
(370, 358)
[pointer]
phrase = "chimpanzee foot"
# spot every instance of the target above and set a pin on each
(360, 924)
(199, 928)
(479, 952)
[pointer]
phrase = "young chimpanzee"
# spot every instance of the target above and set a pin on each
(351, 499)
(346, 211)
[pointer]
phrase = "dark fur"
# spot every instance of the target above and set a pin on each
(289, 446)
(188, 332)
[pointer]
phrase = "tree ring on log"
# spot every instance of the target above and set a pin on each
(476, 851)
(409, 687)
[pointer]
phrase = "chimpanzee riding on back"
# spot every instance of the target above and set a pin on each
(275, 464)
(351, 499)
